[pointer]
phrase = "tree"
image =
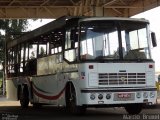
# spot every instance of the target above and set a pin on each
(2, 39)
(13, 29)
(15, 25)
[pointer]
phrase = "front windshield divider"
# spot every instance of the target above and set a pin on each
(120, 41)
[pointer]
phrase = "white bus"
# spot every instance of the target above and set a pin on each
(82, 62)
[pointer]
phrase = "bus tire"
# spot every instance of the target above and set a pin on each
(24, 97)
(133, 108)
(71, 101)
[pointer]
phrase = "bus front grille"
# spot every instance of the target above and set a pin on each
(121, 78)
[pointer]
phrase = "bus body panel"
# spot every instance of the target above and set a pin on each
(108, 77)
(139, 71)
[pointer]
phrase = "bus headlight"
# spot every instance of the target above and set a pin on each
(152, 94)
(108, 96)
(138, 95)
(100, 96)
(145, 95)
(92, 96)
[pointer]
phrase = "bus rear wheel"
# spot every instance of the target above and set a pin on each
(134, 108)
(71, 102)
(24, 97)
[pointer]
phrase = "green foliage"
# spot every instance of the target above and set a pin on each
(1, 75)
(13, 29)
(15, 25)
(2, 39)
(0, 84)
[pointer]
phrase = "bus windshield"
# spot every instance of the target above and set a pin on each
(114, 40)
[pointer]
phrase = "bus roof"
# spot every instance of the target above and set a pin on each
(115, 18)
(60, 22)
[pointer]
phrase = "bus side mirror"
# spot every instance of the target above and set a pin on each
(153, 37)
(158, 78)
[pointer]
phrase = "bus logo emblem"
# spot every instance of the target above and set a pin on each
(123, 79)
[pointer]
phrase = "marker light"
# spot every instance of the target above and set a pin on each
(138, 95)
(150, 66)
(145, 95)
(152, 94)
(91, 67)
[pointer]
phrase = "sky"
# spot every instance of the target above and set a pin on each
(35, 24)
(154, 19)
(151, 15)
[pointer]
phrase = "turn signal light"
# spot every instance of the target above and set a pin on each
(91, 67)
(150, 66)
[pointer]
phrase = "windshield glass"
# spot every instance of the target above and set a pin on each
(110, 40)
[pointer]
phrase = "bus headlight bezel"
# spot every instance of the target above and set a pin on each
(152, 94)
(138, 95)
(100, 96)
(145, 94)
(92, 97)
(108, 96)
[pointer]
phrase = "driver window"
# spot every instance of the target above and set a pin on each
(70, 52)
(68, 40)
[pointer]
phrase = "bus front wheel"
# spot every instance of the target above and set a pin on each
(24, 97)
(71, 101)
(134, 108)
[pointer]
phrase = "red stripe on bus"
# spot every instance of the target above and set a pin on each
(48, 97)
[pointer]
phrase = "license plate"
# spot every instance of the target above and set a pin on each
(124, 95)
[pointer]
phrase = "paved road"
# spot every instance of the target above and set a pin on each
(10, 110)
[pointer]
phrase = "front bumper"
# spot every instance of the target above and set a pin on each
(118, 96)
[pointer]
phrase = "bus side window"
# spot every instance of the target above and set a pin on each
(42, 50)
(70, 55)
(52, 51)
(30, 59)
(68, 39)
(32, 51)
(70, 51)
